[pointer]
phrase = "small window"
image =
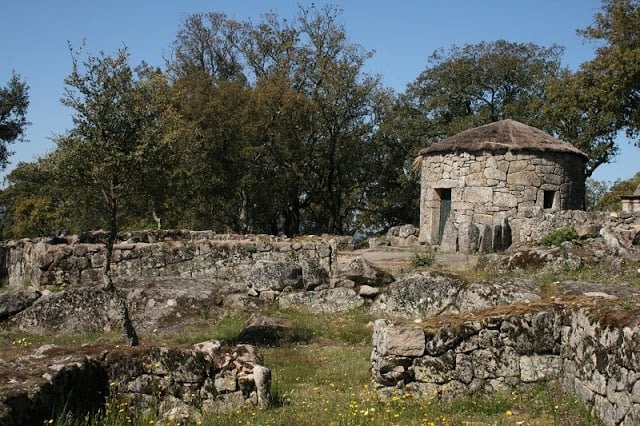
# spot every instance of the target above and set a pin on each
(549, 197)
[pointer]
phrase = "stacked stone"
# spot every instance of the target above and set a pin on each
(596, 362)
(180, 383)
(71, 262)
(489, 189)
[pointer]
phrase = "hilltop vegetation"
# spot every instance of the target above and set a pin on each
(276, 126)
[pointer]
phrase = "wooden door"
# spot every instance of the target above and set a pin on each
(445, 210)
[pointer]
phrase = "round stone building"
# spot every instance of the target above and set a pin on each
(479, 187)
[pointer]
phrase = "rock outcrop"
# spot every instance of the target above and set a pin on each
(427, 294)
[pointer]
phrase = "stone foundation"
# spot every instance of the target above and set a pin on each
(594, 354)
(180, 383)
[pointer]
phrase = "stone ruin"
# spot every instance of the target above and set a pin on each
(480, 187)
(168, 277)
(180, 382)
(590, 349)
(631, 203)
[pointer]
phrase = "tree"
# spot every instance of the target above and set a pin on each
(613, 76)
(102, 154)
(575, 113)
(480, 83)
(14, 100)
(32, 202)
(595, 190)
(282, 109)
(610, 200)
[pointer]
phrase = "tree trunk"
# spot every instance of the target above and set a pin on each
(109, 287)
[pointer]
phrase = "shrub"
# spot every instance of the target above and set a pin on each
(558, 236)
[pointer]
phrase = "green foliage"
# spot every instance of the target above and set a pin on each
(275, 126)
(558, 236)
(424, 258)
(33, 204)
(594, 193)
(14, 101)
(480, 83)
(610, 200)
(613, 78)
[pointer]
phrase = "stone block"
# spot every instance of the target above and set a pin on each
(491, 173)
(539, 367)
(406, 341)
(479, 195)
(502, 199)
(526, 178)
(439, 369)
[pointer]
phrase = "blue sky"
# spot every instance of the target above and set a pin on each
(34, 36)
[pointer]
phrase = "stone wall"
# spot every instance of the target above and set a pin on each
(78, 260)
(594, 354)
(179, 383)
(489, 189)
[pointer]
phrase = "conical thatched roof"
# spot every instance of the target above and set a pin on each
(501, 136)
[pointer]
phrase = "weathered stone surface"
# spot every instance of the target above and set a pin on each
(522, 185)
(328, 301)
(180, 382)
(595, 361)
(362, 272)
(428, 293)
(402, 231)
(569, 254)
(161, 303)
(14, 301)
(270, 275)
(87, 310)
(77, 260)
(368, 291)
(404, 341)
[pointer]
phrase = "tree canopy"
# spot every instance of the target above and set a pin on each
(14, 101)
(275, 126)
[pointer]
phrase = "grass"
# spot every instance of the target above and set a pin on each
(324, 379)
(330, 385)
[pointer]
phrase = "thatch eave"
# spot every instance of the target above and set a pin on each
(501, 137)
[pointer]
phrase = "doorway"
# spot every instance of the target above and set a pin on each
(445, 210)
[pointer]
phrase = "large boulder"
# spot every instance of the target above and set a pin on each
(268, 275)
(160, 303)
(14, 301)
(403, 235)
(363, 272)
(85, 310)
(323, 301)
(429, 293)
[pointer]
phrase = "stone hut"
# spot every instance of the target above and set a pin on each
(479, 187)
(631, 203)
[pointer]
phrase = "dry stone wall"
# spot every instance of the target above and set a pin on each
(181, 383)
(78, 260)
(595, 358)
